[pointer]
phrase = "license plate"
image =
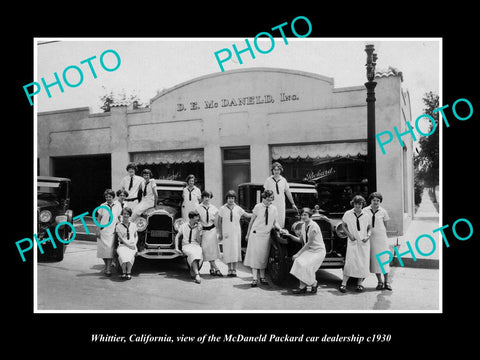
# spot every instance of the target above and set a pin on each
(159, 233)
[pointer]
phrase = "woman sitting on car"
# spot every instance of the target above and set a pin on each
(310, 257)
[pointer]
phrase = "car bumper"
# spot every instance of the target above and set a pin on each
(158, 253)
(332, 263)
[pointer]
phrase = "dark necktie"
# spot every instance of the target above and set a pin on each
(373, 217)
(110, 206)
(128, 232)
(276, 185)
(231, 214)
(190, 194)
(358, 221)
(190, 235)
(306, 234)
(266, 215)
(206, 210)
(131, 183)
(145, 189)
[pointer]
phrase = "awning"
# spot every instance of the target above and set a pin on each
(169, 157)
(319, 151)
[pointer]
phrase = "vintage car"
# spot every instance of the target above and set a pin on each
(158, 226)
(282, 247)
(53, 200)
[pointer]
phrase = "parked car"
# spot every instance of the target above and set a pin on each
(53, 201)
(158, 226)
(282, 247)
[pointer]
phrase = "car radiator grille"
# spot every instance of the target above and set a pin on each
(326, 229)
(159, 230)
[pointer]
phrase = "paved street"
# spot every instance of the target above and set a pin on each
(77, 283)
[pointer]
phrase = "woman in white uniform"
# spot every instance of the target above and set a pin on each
(127, 243)
(131, 183)
(230, 232)
(148, 189)
(379, 239)
(189, 235)
(279, 185)
(357, 225)
(106, 234)
(191, 197)
(208, 214)
(264, 219)
(310, 257)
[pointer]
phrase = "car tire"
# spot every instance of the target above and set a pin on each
(277, 266)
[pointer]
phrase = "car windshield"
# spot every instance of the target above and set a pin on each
(49, 190)
(303, 199)
(335, 198)
(169, 197)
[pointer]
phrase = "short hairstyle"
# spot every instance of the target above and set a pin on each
(122, 191)
(206, 193)
(192, 214)
(132, 166)
(127, 210)
(375, 194)
(267, 194)
(358, 199)
(147, 171)
(191, 176)
(307, 210)
(109, 192)
(230, 193)
(277, 164)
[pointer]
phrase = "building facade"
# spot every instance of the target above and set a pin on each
(227, 128)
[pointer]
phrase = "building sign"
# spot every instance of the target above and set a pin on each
(318, 175)
(238, 101)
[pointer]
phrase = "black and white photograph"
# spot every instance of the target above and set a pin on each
(241, 175)
(193, 179)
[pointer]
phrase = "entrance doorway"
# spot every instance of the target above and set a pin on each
(91, 175)
(236, 167)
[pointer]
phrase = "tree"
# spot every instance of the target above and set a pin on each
(427, 160)
(110, 97)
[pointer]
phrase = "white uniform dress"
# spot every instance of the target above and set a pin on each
(378, 239)
(107, 234)
(306, 265)
(278, 187)
(190, 246)
(210, 247)
(357, 260)
(231, 233)
(131, 184)
(190, 200)
(258, 245)
(126, 254)
(148, 198)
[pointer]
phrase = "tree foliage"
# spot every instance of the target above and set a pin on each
(110, 97)
(427, 160)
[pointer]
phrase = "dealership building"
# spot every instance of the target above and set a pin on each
(227, 128)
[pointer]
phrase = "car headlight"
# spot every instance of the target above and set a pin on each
(141, 223)
(178, 223)
(296, 227)
(45, 216)
(340, 232)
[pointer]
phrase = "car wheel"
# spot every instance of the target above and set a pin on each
(277, 263)
(58, 253)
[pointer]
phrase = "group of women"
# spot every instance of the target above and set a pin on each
(205, 226)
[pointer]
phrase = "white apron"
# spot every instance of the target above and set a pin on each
(378, 239)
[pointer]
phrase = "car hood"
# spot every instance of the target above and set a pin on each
(43, 203)
(162, 209)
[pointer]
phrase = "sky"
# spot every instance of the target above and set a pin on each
(151, 65)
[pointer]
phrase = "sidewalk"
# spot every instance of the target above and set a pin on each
(424, 221)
